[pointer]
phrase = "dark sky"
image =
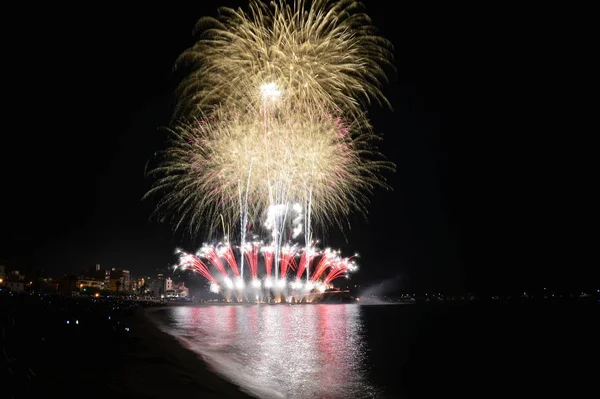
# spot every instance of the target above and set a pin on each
(90, 88)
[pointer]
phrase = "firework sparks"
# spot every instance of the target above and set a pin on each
(271, 132)
(226, 252)
(288, 254)
(268, 254)
(310, 159)
(305, 260)
(192, 262)
(327, 257)
(322, 53)
(329, 264)
(251, 252)
(211, 253)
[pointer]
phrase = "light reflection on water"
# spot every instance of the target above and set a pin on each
(300, 351)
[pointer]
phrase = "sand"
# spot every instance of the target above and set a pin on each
(160, 366)
(83, 349)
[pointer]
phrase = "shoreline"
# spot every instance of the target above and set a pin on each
(99, 349)
(162, 356)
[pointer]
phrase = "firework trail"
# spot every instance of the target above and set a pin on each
(268, 254)
(192, 262)
(225, 251)
(211, 253)
(251, 251)
(334, 273)
(305, 259)
(244, 213)
(327, 257)
(288, 254)
(340, 268)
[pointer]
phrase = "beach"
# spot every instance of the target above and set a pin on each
(69, 347)
(160, 358)
(84, 348)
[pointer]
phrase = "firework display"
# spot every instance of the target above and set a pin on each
(323, 53)
(217, 164)
(271, 139)
(287, 287)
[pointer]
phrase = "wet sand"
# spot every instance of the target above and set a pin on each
(161, 366)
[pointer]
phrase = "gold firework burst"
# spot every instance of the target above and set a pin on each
(322, 53)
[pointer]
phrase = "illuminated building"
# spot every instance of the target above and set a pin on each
(118, 280)
(175, 290)
(90, 283)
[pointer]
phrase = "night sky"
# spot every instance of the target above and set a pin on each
(91, 88)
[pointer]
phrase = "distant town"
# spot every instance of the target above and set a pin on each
(96, 281)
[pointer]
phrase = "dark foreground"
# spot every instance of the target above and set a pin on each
(52, 346)
(109, 349)
(479, 349)
(469, 349)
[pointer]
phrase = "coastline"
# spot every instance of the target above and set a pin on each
(161, 365)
